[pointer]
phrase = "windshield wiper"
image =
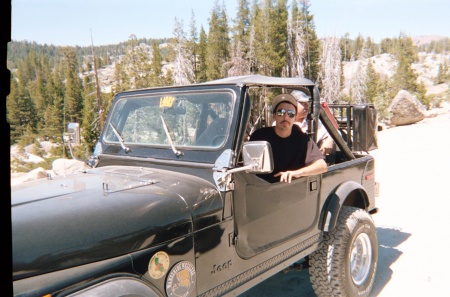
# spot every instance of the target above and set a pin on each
(175, 151)
(122, 143)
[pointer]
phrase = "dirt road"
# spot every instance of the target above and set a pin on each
(413, 169)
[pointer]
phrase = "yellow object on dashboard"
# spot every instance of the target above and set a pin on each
(166, 101)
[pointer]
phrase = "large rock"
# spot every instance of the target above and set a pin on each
(37, 173)
(68, 166)
(406, 109)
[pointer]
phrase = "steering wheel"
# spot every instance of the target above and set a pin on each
(218, 139)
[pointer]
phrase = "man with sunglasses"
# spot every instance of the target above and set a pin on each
(294, 152)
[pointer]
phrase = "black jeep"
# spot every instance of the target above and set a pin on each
(173, 207)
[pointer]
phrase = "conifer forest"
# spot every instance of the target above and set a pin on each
(51, 86)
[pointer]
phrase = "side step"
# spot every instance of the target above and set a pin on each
(297, 266)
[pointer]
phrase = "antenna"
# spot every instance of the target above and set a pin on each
(305, 8)
(99, 98)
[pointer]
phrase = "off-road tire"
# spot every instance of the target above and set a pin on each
(346, 262)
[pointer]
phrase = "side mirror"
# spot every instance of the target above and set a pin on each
(93, 160)
(257, 156)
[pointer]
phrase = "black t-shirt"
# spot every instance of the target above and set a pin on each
(290, 153)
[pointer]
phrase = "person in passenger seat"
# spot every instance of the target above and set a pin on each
(324, 140)
(294, 153)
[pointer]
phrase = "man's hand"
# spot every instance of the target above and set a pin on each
(327, 146)
(317, 167)
(287, 176)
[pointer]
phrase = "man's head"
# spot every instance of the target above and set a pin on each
(283, 98)
(284, 108)
(302, 104)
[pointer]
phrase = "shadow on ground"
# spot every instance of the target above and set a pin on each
(389, 238)
(296, 283)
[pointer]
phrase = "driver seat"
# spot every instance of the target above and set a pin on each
(217, 128)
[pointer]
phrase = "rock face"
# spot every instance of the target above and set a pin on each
(406, 109)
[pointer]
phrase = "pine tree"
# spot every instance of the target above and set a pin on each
(192, 46)
(404, 77)
(382, 101)
(346, 47)
(106, 59)
(404, 47)
(53, 123)
(135, 68)
(58, 103)
(371, 47)
(142, 67)
(156, 76)
(121, 78)
(89, 124)
(241, 28)
(12, 111)
(373, 83)
(37, 91)
(386, 45)
(420, 93)
(130, 61)
(73, 101)
(41, 98)
(442, 75)
(261, 43)
(23, 116)
(279, 37)
(224, 30)
(217, 51)
(358, 46)
(202, 53)
(168, 78)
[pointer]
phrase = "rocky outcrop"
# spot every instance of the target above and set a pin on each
(59, 167)
(406, 109)
(37, 173)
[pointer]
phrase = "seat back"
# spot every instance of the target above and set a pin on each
(215, 131)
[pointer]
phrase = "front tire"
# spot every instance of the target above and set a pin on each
(346, 262)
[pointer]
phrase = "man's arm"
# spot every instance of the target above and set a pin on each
(317, 167)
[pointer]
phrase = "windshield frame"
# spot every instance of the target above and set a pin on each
(204, 96)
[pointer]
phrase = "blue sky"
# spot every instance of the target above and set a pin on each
(70, 22)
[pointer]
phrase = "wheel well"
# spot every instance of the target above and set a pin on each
(123, 284)
(347, 194)
(356, 198)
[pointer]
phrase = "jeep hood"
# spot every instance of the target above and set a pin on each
(103, 213)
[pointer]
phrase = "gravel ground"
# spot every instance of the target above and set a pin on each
(413, 169)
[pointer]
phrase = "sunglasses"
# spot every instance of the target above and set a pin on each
(290, 113)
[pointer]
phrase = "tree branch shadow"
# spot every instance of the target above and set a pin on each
(389, 238)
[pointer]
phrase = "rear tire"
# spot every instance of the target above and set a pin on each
(346, 262)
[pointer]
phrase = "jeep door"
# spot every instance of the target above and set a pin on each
(269, 214)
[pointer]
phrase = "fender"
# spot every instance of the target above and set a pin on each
(348, 193)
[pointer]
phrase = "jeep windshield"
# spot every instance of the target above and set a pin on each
(178, 121)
